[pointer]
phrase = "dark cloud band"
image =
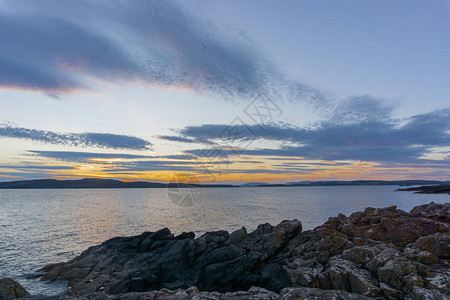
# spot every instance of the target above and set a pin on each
(88, 139)
(370, 135)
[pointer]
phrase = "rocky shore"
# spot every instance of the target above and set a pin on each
(429, 189)
(377, 253)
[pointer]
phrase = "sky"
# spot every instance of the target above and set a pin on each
(225, 91)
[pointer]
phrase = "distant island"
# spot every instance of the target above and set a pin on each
(91, 183)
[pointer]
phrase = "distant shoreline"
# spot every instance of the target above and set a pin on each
(93, 183)
(434, 189)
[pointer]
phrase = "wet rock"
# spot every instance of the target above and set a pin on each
(11, 289)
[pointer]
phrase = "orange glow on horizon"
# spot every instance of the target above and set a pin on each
(9, 176)
(240, 170)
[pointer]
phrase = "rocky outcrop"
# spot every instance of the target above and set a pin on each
(10, 289)
(429, 189)
(377, 253)
(194, 293)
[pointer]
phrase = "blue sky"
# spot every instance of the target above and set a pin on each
(141, 90)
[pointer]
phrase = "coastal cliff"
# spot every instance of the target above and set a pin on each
(374, 253)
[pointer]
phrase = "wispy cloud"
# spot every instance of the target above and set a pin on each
(34, 167)
(87, 139)
(117, 162)
(58, 46)
(84, 157)
(174, 138)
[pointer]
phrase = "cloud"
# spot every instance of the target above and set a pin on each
(34, 167)
(12, 176)
(166, 165)
(178, 156)
(60, 46)
(354, 132)
(83, 157)
(118, 162)
(357, 109)
(306, 164)
(173, 138)
(87, 139)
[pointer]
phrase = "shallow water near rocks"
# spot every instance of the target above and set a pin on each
(38, 227)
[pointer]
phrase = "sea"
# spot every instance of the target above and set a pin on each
(38, 227)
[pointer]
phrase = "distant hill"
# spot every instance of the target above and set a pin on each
(96, 183)
(93, 183)
(252, 184)
(299, 183)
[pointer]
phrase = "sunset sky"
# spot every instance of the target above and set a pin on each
(225, 91)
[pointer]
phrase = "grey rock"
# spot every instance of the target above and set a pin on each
(437, 244)
(11, 289)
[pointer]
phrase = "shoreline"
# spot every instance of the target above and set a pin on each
(360, 254)
(428, 189)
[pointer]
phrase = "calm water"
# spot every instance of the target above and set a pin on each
(38, 227)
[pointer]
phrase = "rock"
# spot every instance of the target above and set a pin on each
(437, 244)
(430, 189)
(359, 255)
(394, 271)
(191, 293)
(343, 274)
(389, 292)
(312, 293)
(422, 293)
(424, 257)
(440, 282)
(438, 212)
(237, 236)
(254, 293)
(10, 289)
(378, 252)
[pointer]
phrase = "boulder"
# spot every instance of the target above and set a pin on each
(437, 244)
(435, 211)
(11, 289)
